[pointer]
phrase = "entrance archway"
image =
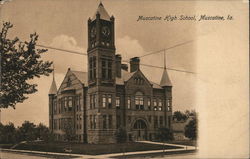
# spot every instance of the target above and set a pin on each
(140, 130)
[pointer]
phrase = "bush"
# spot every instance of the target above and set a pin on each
(164, 134)
(121, 135)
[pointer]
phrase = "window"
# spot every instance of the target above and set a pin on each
(139, 105)
(91, 122)
(70, 103)
(94, 121)
(104, 124)
(94, 101)
(169, 104)
(104, 101)
(117, 102)
(59, 105)
(149, 104)
(110, 122)
(109, 101)
(64, 104)
(90, 101)
(55, 106)
(155, 104)
(161, 121)
(92, 68)
(160, 104)
(106, 69)
(155, 122)
(129, 103)
(118, 121)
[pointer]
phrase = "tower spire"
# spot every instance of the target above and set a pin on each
(53, 88)
(165, 81)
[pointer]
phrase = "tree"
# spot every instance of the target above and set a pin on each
(27, 131)
(191, 129)
(164, 134)
(178, 115)
(42, 132)
(7, 133)
(20, 62)
(121, 135)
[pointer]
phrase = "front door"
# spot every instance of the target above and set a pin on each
(140, 130)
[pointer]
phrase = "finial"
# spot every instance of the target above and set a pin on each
(164, 60)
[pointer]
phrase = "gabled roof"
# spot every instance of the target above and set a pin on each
(82, 76)
(165, 81)
(103, 13)
(53, 88)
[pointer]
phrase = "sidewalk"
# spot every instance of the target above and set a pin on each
(106, 156)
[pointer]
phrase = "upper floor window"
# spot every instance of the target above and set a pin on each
(161, 121)
(117, 102)
(55, 106)
(110, 122)
(160, 104)
(70, 103)
(104, 124)
(139, 103)
(129, 102)
(92, 68)
(155, 104)
(169, 104)
(106, 69)
(107, 100)
(149, 103)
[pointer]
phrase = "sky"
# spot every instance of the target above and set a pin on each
(64, 25)
(218, 54)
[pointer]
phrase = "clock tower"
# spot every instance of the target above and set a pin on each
(101, 77)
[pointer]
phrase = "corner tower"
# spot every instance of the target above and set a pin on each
(101, 77)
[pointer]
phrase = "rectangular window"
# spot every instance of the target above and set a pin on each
(129, 103)
(91, 122)
(137, 103)
(65, 103)
(155, 122)
(104, 68)
(141, 103)
(70, 103)
(104, 101)
(117, 102)
(94, 67)
(109, 69)
(149, 104)
(55, 106)
(94, 121)
(90, 68)
(161, 121)
(118, 121)
(90, 101)
(95, 101)
(110, 122)
(59, 105)
(109, 101)
(155, 104)
(160, 104)
(169, 104)
(104, 124)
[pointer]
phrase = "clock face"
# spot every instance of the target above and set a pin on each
(93, 32)
(105, 31)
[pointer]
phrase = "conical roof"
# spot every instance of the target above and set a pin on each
(165, 81)
(103, 13)
(53, 88)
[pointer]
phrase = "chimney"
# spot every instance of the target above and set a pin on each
(118, 60)
(134, 64)
(125, 67)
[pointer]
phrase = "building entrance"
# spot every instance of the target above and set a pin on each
(140, 130)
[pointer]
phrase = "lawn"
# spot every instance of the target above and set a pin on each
(92, 149)
(184, 142)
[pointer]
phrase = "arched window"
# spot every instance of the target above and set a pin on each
(139, 102)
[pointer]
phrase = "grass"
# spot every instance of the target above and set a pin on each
(184, 142)
(92, 149)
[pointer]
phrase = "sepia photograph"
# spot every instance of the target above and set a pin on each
(124, 79)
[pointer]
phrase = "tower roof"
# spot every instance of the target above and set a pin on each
(165, 81)
(103, 13)
(53, 88)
